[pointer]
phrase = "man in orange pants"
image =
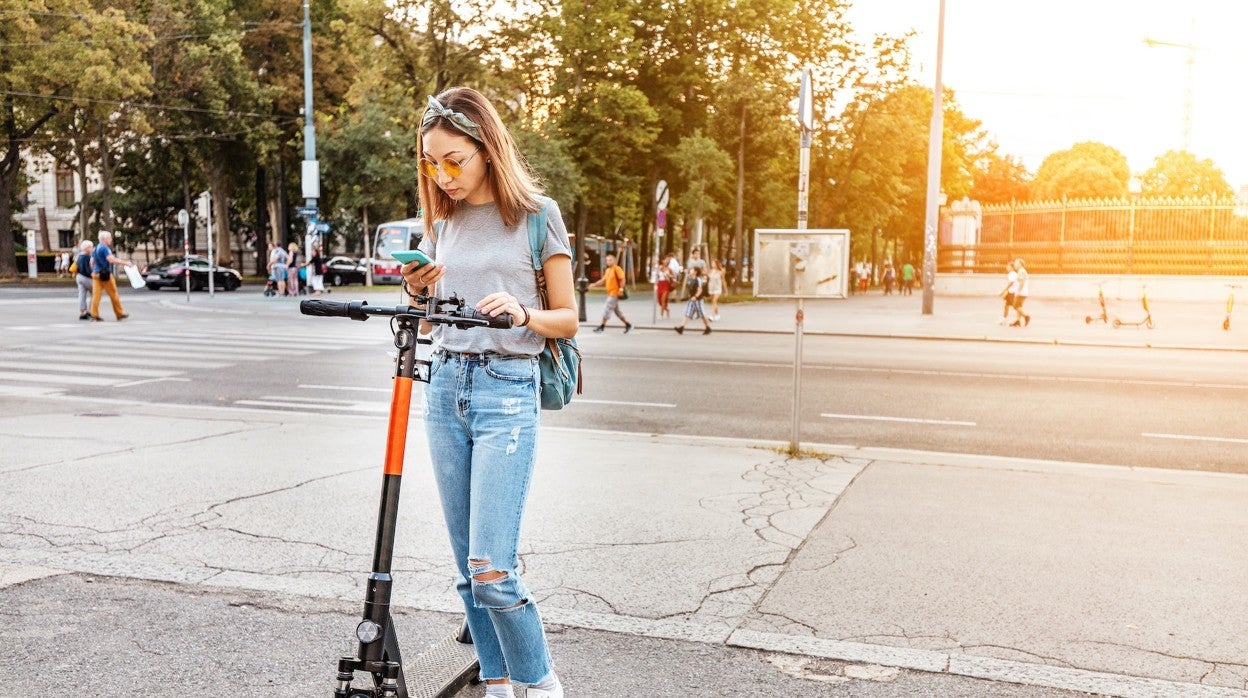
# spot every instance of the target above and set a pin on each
(103, 277)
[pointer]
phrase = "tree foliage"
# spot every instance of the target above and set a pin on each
(1180, 174)
(1084, 170)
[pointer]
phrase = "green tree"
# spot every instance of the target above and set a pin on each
(1178, 174)
(999, 179)
(879, 172)
(1085, 170)
(704, 185)
(59, 56)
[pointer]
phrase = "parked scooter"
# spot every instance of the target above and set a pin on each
(1147, 321)
(1104, 316)
(1230, 304)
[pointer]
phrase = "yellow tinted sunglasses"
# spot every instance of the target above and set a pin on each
(452, 168)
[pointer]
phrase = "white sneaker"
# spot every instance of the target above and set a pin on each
(531, 692)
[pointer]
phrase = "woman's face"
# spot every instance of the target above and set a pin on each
(471, 184)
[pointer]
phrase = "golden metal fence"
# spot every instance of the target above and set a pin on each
(1108, 236)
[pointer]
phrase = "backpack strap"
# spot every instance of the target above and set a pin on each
(537, 235)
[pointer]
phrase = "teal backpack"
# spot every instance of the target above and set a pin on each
(560, 360)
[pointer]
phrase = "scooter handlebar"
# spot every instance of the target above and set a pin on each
(320, 308)
(457, 316)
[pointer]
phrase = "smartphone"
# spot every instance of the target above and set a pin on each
(406, 256)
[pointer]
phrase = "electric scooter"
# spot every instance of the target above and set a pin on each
(1230, 304)
(450, 664)
(1148, 316)
(1104, 316)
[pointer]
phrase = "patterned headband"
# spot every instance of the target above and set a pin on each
(437, 111)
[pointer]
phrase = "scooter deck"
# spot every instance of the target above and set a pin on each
(442, 669)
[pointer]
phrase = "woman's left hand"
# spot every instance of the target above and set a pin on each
(496, 304)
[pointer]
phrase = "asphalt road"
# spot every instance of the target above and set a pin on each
(1115, 405)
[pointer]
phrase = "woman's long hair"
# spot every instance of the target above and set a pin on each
(513, 184)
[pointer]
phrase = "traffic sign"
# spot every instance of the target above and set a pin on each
(661, 194)
(322, 227)
(662, 219)
(307, 211)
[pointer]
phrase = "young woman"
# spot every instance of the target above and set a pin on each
(715, 286)
(661, 278)
(293, 262)
(482, 401)
(693, 306)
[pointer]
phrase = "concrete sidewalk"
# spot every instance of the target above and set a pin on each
(975, 318)
(1052, 575)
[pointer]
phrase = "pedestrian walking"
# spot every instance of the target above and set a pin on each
(316, 270)
(613, 279)
(292, 269)
(890, 276)
(1011, 288)
(57, 265)
(715, 287)
(81, 267)
(907, 279)
(482, 402)
(103, 277)
(661, 277)
(277, 267)
(1020, 296)
(695, 287)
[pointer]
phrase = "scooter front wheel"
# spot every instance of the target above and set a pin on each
(1117, 323)
(1148, 322)
(1087, 319)
(1226, 324)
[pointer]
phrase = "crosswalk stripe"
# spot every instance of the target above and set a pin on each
(370, 408)
(56, 378)
(84, 367)
(89, 355)
(249, 344)
(135, 348)
(350, 338)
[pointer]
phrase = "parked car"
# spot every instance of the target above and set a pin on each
(340, 271)
(168, 272)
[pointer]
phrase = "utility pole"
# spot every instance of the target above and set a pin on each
(311, 169)
(934, 143)
(1189, 88)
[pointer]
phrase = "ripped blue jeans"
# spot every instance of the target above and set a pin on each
(481, 418)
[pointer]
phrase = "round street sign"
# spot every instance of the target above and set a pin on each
(661, 194)
(183, 217)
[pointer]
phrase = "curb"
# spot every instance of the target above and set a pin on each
(956, 338)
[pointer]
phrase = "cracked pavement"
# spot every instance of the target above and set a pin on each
(1132, 573)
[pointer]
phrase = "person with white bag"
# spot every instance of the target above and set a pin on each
(102, 279)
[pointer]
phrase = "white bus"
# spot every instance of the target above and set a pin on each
(395, 235)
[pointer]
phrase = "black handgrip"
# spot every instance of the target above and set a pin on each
(328, 308)
(502, 322)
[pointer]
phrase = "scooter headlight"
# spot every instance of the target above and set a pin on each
(368, 631)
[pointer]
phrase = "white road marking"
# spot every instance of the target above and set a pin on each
(346, 387)
(1188, 437)
(371, 408)
(152, 380)
(90, 355)
(62, 378)
(911, 420)
(624, 402)
(85, 367)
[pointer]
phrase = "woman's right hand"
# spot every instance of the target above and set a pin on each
(420, 277)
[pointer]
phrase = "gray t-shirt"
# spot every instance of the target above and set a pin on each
(482, 256)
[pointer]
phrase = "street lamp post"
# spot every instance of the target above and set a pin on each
(935, 136)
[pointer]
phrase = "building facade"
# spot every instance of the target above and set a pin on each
(56, 190)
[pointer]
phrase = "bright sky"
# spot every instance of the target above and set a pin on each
(1042, 76)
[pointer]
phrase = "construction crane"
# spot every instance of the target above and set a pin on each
(1191, 70)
